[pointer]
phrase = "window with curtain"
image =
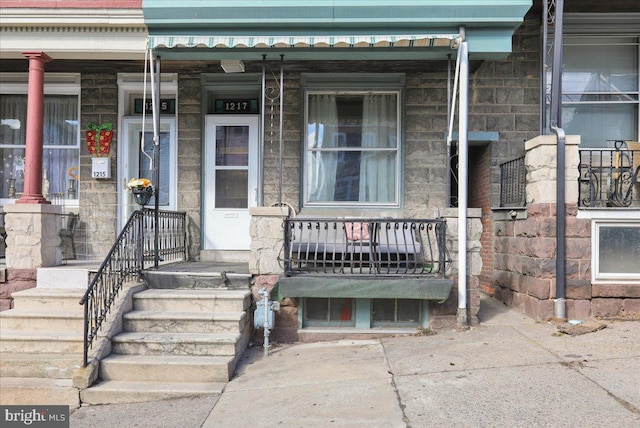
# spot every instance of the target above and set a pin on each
(61, 146)
(351, 148)
(600, 88)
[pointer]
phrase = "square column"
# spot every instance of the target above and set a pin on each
(33, 235)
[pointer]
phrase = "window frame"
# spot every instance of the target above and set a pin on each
(54, 84)
(353, 84)
(596, 276)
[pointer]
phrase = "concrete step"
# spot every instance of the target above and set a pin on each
(185, 322)
(167, 368)
(145, 343)
(184, 280)
(63, 277)
(37, 391)
(52, 366)
(24, 320)
(121, 392)
(48, 299)
(200, 300)
(41, 342)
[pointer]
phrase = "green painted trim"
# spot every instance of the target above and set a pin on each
(374, 288)
(363, 313)
(329, 13)
(425, 314)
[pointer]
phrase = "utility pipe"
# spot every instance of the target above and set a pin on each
(156, 166)
(463, 165)
(559, 303)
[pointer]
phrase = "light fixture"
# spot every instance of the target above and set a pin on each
(232, 65)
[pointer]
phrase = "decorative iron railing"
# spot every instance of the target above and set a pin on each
(132, 252)
(609, 177)
(374, 247)
(513, 183)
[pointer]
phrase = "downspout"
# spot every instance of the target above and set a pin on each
(449, 114)
(559, 303)
(463, 164)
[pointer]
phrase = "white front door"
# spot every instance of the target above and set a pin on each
(135, 162)
(231, 180)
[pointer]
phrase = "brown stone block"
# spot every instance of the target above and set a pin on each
(616, 290)
(21, 274)
(5, 304)
(287, 316)
(578, 289)
(283, 335)
(606, 307)
(443, 322)
(538, 210)
(631, 305)
(536, 287)
(578, 228)
(578, 309)
(540, 247)
(540, 268)
(578, 248)
(8, 288)
(538, 309)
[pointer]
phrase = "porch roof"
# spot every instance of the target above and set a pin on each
(323, 29)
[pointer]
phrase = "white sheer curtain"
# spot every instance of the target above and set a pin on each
(379, 131)
(322, 133)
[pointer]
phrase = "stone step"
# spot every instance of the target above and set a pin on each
(48, 299)
(41, 342)
(52, 366)
(167, 368)
(200, 300)
(38, 391)
(186, 322)
(145, 343)
(121, 392)
(63, 277)
(29, 320)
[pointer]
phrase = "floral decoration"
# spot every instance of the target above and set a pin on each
(99, 138)
(139, 184)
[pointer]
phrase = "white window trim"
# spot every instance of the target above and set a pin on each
(398, 151)
(596, 276)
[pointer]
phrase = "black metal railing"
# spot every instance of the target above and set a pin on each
(132, 252)
(609, 177)
(376, 247)
(513, 183)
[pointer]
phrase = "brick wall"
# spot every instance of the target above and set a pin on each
(480, 197)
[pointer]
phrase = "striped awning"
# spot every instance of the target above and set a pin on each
(283, 42)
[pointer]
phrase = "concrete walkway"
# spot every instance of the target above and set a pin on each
(509, 372)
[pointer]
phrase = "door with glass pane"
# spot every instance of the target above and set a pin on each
(135, 162)
(231, 180)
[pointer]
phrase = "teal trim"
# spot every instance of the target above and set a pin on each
(255, 14)
(374, 288)
(477, 136)
(363, 313)
(425, 314)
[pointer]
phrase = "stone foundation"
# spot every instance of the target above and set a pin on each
(13, 280)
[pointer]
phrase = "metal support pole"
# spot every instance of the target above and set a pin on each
(281, 126)
(463, 165)
(156, 168)
(449, 113)
(263, 104)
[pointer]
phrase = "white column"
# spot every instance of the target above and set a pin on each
(463, 167)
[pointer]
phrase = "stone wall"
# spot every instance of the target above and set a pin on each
(98, 197)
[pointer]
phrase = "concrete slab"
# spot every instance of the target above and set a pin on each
(181, 412)
(540, 396)
(455, 351)
(343, 383)
(620, 377)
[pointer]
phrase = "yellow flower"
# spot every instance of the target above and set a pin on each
(139, 183)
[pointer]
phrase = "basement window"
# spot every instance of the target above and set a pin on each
(616, 251)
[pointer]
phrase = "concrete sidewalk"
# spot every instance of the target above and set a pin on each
(509, 372)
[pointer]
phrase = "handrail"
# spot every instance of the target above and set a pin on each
(132, 250)
(365, 247)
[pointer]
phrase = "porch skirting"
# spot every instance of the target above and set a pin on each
(370, 288)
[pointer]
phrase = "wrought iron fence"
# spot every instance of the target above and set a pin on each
(374, 247)
(132, 252)
(513, 183)
(609, 177)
